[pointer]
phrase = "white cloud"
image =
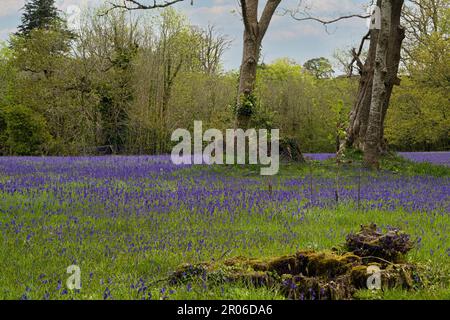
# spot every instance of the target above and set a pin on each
(4, 33)
(335, 5)
(10, 7)
(13, 7)
(295, 32)
(216, 10)
(64, 4)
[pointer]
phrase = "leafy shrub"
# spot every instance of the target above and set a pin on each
(26, 131)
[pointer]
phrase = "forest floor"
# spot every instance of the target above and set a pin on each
(129, 222)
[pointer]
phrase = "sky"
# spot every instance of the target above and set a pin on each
(286, 37)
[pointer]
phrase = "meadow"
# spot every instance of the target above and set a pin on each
(128, 222)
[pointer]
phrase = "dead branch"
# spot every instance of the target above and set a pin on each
(131, 5)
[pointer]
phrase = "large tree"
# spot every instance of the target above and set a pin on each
(378, 78)
(320, 68)
(38, 14)
(254, 32)
(372, 143)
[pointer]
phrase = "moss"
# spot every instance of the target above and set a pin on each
(316, 288)
(398, 276)
(358, 275)
(284, 265)
(327, 264)
(308, 274)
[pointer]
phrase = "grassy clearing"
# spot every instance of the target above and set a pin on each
(125, 256)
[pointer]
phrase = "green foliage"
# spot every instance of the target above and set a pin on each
(247, 106)
(303, 107)
(47, 82)
(130, 84)
(171, 52)
(263, 119)
(280, 69)
(3, 133)
(43, 51)
(352, 154)
(320, 68)
(418, 118)
(113, 84)
(8, 75)
(428, 49)
(213, 97)
(26, 131)
(431, 60)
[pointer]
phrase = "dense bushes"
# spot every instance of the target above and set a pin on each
(23, 132)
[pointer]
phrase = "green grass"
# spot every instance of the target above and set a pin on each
(395, 163)
(258, 236)
(437, 293)
(58, 241)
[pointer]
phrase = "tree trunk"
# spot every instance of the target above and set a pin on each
(247, 79)
(379, 89)
(254, 32)
(359, 116)
(397, 35)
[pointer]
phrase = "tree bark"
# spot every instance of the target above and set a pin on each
(254, 32)
(247, 78)
(379, 89)
(397, 35)
(359, 116)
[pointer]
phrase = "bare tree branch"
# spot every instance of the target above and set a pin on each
(326, 22)
(140, 5)
(357, 54)
(301, 14)
(267, 15)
